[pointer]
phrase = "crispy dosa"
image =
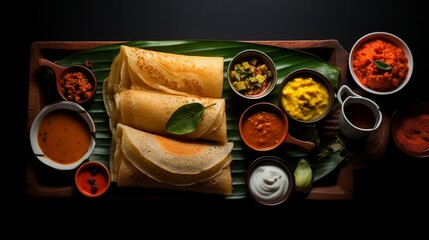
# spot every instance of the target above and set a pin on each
(144, 159)
(150, 112)
(129, 176)
(141, 69)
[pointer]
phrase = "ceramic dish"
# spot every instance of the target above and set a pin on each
(269, 180)
(381, 52)
(56, 127)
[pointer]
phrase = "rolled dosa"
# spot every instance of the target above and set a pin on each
(150, 112)
(144, 159)
(129, 176)
(136, 68)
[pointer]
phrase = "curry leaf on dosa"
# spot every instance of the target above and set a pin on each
(286, 61)
(186, 118)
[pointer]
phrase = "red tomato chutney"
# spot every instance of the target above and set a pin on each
(264, 129)
(373, 77)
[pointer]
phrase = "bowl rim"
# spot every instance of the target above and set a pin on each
(320, 78)
(85, 165)
(404, 109)
(69, 105)
(267, 59)
(391, 38)
(271, 160)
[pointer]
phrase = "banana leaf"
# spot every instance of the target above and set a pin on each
(286, 61)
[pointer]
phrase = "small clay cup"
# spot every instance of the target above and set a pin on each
(61, 71)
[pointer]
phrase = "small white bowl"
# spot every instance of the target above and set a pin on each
(68, 105)
(390, 38)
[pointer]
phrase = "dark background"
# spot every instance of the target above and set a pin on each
(396, 186)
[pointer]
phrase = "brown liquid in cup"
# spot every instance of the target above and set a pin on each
(360, 115)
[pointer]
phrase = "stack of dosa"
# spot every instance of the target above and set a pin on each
(140, 94)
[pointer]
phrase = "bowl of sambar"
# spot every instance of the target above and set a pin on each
(62, 135)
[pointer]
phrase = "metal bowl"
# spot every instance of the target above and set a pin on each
(261, 58)
(317, 77)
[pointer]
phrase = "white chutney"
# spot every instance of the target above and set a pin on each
(269, 182)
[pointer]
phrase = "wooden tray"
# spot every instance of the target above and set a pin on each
(44, 182)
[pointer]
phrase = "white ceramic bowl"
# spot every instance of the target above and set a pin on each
(35, 128)
(390, 38)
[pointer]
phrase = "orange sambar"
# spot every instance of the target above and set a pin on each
(64, 136)
(264, 130)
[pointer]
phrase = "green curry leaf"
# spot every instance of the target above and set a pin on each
(382, 65)
(186, 118)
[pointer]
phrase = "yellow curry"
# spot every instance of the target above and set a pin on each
(304, 98)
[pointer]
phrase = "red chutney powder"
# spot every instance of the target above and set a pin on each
(412, 132)
(373, 77)
(76, 86)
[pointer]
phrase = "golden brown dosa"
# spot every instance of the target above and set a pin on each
(167, 162)
(150, 112)
(141, 69)
(129, 176)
